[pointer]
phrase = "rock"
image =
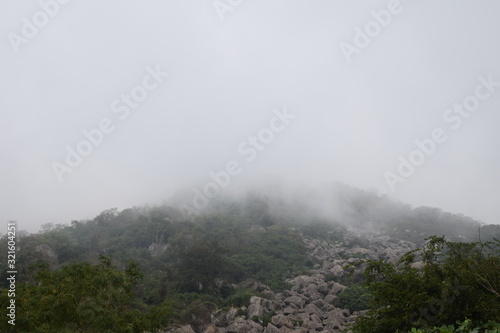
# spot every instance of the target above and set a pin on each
(184, 329)
(256, 327)
(255, 308)
(333, 324)
(299, 330)
(157, 250)
(49, 254)
(232, 314)
(323, 288)
(296, 300)
(281, 320)
(311, 292)
(323, 306)
(210, 329)
(271, 329)
(312, 309)
(47, 251)
(336, 314)
(327, 265)
(332, 299)
(241, 325)
(337, 270)
(302, 316)
(337, 288)
(311, 325)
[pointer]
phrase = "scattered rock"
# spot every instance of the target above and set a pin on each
(312, 303)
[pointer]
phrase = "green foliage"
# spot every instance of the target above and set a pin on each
(200, 266)
(457, 280)
(84, 298)
(270, 256)
(466, 327)
(239, 298)
(355, 298)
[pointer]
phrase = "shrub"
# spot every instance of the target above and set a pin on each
(355, 298)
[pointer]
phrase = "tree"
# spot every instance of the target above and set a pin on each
(456, 281)
(84, 298)
(201, 266)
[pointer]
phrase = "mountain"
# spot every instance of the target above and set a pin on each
(275, 260)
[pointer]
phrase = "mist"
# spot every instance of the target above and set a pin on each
(128, 103)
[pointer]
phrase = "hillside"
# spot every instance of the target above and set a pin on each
(250, 263)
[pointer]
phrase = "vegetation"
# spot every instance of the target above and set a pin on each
(466, 326)
(455, 280)
(145, 267)
(355, 298)
(138, 269)
(84, 298)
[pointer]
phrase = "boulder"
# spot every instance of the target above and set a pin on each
(337, 288)
(271, 329)
(210, 329)
(294, 300)
(281, 321)
(323, 288)
(312, 309)
(255, 308)
(184, 329)
(337, 270)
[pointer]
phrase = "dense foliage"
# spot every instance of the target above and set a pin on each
(433, 286)
(84, 298)
(355, 298)
(467, 326)
(196, 264)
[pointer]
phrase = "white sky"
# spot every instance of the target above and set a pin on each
(225, 78)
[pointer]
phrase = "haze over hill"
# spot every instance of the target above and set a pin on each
(118, 104)
(266, 261)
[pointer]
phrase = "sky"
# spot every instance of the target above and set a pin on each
(122, 103)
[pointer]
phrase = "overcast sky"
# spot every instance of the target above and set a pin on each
(310, 91)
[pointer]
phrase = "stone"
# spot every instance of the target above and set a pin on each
(323, 288)
(271, 329)
(312, 309)
(210, 329)
(184, 329)
(332, 299)
(337, 288)
(281, 320)
(298, 301)
(337, 270)
(311, 325)
(255, 308)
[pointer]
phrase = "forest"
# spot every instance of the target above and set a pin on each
(146, 269)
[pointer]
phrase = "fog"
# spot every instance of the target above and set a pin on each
(122, 103)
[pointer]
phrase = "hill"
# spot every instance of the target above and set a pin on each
(274, 257)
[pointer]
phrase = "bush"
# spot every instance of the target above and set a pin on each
(355, 298)
(239, 298)
(466, 327)
(457, 280)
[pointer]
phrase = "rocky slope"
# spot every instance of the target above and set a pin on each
(312, 304)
